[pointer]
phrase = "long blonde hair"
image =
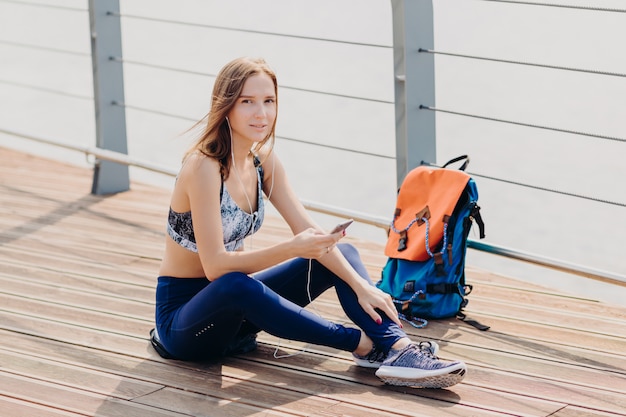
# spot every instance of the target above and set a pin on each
(215, 140)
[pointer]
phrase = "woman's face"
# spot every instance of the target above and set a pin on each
(252, 117)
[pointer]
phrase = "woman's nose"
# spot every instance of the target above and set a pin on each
(260, 111)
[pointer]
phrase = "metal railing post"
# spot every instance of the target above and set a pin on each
(108, 81)
(414, 74)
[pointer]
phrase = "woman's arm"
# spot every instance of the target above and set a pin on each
(200, 180)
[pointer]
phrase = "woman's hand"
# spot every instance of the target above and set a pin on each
(373, 300)
(312, 244)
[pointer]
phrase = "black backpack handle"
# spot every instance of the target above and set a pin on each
(457, 159)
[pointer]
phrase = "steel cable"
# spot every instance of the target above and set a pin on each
(253, 31)
(208, 74)
(554, 129)
(532, 64)
(551, 190)
(562, 6)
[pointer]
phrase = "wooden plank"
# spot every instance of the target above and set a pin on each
(40, 294)
(27, 309)
(280, 377)
(72, 316)
(480, 355)
(17, 408)
(466, 394)
(514, 336)
(325, 381)
(72, 400)
(68, 314)
(77, 267)
(572, 411)
(125, 388)
(550, 317)
(577, 390)
(547, 298)
(231, 380)
(84, 208)
(64, 280)
(136, 242)
(78, 272)
(536, 339)
(76, 335)
(230, 389)
(202, 405)
(76, 377)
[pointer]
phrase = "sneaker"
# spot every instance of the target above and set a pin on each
(376, 357)
(241, 345)
(414, 366)
(372, 360)
(158, 346)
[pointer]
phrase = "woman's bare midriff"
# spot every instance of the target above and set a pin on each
(179, 262)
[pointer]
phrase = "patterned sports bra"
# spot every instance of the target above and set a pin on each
(237, 224)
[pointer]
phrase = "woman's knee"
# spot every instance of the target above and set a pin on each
(350, 252)
(237, 285)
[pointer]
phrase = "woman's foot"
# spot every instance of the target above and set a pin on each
(376, 357)
(416, 367)
(241, 345)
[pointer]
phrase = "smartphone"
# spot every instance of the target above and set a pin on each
(341, 226)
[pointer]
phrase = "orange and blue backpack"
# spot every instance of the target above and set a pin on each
(427, 243)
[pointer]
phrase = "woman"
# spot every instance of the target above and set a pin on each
(213, 298)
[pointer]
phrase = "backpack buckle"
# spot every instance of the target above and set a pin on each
(402, 241)
(422, 214)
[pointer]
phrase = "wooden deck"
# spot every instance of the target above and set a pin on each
(77, 277)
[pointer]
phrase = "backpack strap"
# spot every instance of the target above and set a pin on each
(443, 288)
(457, 159)
(475, 214)
(472, 322)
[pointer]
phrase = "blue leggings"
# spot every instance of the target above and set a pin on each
(197, 319)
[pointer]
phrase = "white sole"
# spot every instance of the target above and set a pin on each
(420, 378)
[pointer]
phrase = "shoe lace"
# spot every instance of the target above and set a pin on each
(426, 348)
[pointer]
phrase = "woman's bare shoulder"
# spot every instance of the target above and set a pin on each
(199, 166)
